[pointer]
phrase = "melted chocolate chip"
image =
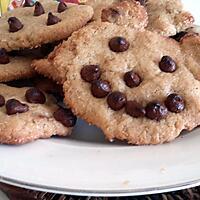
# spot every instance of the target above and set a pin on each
(2, 101)
(14, 24)
(167, 64)
(175, 103)
(4, 58)
(142, 2)
(116, 100)
(179, 36)
(156, 111)
(90, 73)
(100, 88)
(134, 109)
(34, 95)
(132, 79)
(62, 7)
(39, 10)
(13, 106)
(52, 19)
(118, 44)
(28, 3)
(65, 116)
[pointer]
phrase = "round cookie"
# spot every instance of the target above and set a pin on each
(134, 85)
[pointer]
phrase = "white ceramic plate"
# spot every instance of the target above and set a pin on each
(86, 164)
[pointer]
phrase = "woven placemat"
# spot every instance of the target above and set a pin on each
(15, 193)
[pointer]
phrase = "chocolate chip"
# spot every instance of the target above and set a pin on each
(62, 7)
(52, 19)
(65, 116)
(100, 88)
(109, 15)
(118, 44)
(34, 95)
(14, 24)
(142, 2)
(28, 3)
(13, 106)
(39, 10)
(167, 64)
(156, 111)
(116, 100)
(4, 58)
(2, 101)
(134, 109)
(175, 103)
(179, 36)
(90, 73)
(132, 79)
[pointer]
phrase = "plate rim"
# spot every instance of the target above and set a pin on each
(102, 193)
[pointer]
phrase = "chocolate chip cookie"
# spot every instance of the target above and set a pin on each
(134, 85)
(45, 22)
(14, 67)
(27, 114)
